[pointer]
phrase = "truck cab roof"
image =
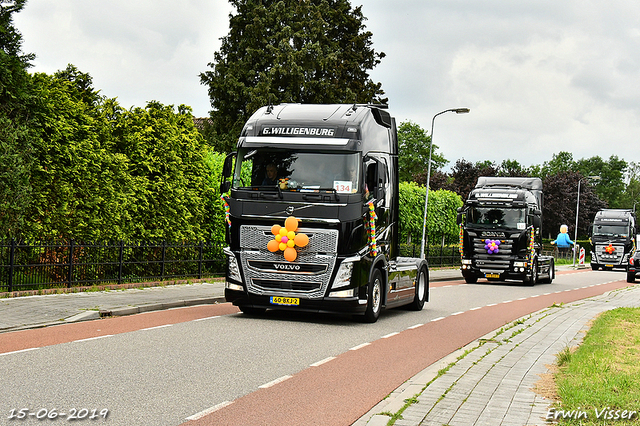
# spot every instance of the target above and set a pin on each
(352, 127)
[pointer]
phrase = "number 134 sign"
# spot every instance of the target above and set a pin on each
(343, 186)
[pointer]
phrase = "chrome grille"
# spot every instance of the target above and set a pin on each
(605, 258)
(495, 262)
(321, 251)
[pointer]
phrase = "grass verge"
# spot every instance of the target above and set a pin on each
(599, 383)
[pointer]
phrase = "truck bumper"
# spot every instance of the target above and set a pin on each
(497, 275)
(334, 305)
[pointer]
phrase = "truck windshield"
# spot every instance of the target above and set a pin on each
(496, 218)
(610, 231)
(297, 170)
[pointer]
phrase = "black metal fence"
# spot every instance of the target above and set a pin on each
(437, 256)
(29, 266)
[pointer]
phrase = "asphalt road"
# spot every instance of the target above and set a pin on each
(164, 368)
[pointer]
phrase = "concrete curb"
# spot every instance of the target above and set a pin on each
(120, 312)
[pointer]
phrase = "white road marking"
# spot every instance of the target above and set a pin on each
(92, 338)
(207, 318)
(20, 351)
(324, 361)
(203, 413)
(355, 348)
(275, 382)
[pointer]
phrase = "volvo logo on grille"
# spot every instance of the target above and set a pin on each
(286, 267)
(290, 210)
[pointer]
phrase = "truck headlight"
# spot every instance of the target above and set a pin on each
(344, 293)
(232, 266)
(520, 264)
(343, 276)
(466, 261)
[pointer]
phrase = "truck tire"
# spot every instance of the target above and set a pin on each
(595, 266)
(631, 277)
(552, 273)
(422, 284)
(251, 311)
(470, 279)
(374, 297)
(532, 279)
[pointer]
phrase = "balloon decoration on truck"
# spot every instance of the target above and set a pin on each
(286, 240)
(492, 246)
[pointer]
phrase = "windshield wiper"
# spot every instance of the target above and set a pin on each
(317, 193)
(276, 188)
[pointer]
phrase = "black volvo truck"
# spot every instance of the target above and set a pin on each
(613, 238)
(312, 201)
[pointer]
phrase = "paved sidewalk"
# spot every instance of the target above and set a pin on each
(492, 384)
(38, 311)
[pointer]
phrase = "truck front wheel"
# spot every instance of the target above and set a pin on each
(470, 279)
(374, 298)
(422, 283)
(532, 279)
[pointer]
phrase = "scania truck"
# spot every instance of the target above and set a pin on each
(500, 232)
(613, 238)
(311, 196)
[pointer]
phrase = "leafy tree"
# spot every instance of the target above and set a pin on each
(561, 162)
(82, 82)
(437, 180)
(465, 175)
(14, 79)
(15, 186)
(512, 168)
(631, 196)
(15, 134)
(310, 51)
(165, 156)
(72, 177)
(441, 217)
(560, 199)
(413, 152)
(610, 185)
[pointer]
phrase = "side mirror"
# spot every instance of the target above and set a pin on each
(227, 169)
(228, 163)
(537, 221)
(460, 211)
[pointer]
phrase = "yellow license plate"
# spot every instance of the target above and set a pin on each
(286, 301)
(608, 266)
(492, 275)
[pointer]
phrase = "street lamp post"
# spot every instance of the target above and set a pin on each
(426, 198)
(575, 234)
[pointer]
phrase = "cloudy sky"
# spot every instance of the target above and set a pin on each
(540, 76)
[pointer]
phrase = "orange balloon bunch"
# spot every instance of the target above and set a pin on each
(286, 239)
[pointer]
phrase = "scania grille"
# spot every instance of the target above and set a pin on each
(269, 273)
(499, 261)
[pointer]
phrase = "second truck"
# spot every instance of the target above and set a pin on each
(501, 232)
